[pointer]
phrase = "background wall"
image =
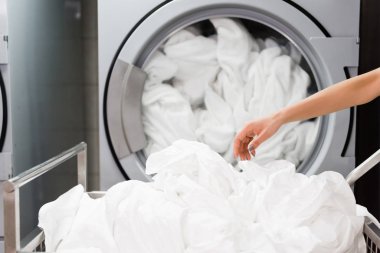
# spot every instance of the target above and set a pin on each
(53, 59)
(367, 190)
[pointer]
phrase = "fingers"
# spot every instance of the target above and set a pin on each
(243, 151)
(252, 146)
(241, 146)
(252, 149)
(253, 135)
(244, 156)
(256, 142)
(239, 143)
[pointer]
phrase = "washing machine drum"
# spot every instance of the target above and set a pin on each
(200, 71)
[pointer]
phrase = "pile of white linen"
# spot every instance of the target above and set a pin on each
(206, 89)
(198, 203)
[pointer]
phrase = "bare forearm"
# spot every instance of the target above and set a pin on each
(348, 93)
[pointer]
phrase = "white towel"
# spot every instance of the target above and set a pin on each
(195, 57)
(59, 214)
(167, 116)
(90, 228)
(143, 220)
(215, 123)
(234, 46)
(81, 250)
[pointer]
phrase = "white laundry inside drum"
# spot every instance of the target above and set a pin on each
(209, 79)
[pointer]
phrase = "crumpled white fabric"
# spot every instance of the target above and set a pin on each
(234, 49)
(195, 56)
(167, 116)
(319, 210)
(215, 123)
(72, 216)
(60, 213)
(198, 203)
(81, 250)
(220, 83)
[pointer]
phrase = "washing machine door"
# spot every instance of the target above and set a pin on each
(326, 56)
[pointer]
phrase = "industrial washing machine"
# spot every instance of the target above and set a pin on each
(326, 33)
(5, 129)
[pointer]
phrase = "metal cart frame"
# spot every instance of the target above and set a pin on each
(36, 243)
(11, 193)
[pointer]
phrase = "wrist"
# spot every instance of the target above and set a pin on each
(280, 117)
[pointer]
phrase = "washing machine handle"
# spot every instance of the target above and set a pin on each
(124, 110)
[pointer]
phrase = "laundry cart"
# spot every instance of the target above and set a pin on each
(35, 243)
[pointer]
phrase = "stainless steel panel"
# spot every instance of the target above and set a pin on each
(47, 94)
(339, 17)
(337, 53)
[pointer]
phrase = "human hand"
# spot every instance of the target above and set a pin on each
(253, 134)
